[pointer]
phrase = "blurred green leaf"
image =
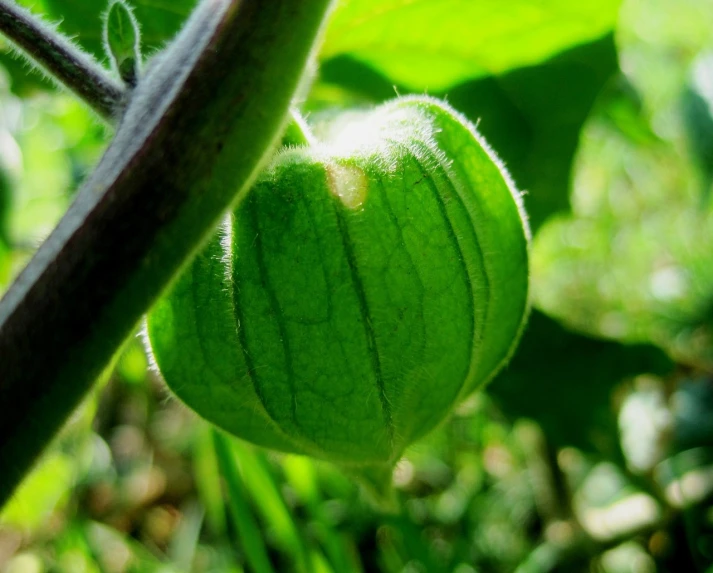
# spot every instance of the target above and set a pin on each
(634, 261)
(5, 266)
(73, 551)
(319, 563)
(643, 274)
(434, 44)
(40, 493)
(42, 193)
(697, 108)
(355, 82)
(620, 106)
(5, 205)
(564, 381)
(25, 80)
(10, 167)
(132, 362)
(692, 408)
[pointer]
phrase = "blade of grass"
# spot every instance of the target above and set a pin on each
(302, 476)
(319, 563)
(260, 483)
(207, 477)
(184, 543)
(251, 539)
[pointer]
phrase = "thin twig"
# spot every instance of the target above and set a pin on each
(61, 59)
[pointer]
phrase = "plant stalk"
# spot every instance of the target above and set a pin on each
(297, 132)
(199, 125)
(62, 60)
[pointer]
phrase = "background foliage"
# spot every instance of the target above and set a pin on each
(592, 451)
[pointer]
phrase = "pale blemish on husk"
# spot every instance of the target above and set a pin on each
(348, 183)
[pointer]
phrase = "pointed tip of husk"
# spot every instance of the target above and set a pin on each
(377, 486)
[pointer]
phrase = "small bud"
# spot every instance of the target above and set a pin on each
(122, 41)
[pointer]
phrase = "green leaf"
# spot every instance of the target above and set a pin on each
(435, 44)
(564, 381)
(122, 41)
(362, 288)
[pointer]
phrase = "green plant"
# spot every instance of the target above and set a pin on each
(590, 450)
(475, 213)
(186, 147)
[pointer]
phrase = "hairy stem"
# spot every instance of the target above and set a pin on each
(197, 129)
(61, 59)
(297, 131)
